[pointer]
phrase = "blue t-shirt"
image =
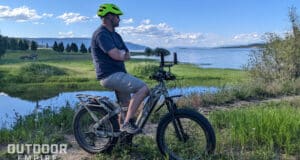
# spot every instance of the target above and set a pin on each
(103, 41)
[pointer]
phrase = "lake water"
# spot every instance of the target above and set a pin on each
(232, 58)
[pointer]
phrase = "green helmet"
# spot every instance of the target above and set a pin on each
(108, 8)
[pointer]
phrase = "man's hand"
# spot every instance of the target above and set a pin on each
(127, 55)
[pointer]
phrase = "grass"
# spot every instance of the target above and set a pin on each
(264, 131)
(74, 71)
(46, 126)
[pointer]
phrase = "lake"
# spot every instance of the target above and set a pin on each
(232, 58)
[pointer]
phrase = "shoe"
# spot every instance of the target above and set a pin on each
(130, 127)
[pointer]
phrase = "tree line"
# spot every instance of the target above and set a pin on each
(59, 47)
(8, 43)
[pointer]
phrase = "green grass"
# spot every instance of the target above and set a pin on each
(46, 126)
(262, 131)
(75, 71)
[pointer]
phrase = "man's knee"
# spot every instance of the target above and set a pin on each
(145, 90)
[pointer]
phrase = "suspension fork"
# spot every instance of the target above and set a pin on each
(176, 122)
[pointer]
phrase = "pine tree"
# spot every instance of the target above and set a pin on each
(33, 46)
(61, 47)
(74, 47)
(83, 48)
(68, 48)
(13, 44)
(90, 49)
(2, 46)
(26, 44)
(55, 46)
(20, 44)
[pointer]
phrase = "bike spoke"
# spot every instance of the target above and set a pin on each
(88, 133)
(194, 143)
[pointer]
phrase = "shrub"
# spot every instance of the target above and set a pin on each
(41, 69)
(279, 58)
(144, 69)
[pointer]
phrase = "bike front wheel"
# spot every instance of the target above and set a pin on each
(186, 134)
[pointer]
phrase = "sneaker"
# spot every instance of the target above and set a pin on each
(130, 127)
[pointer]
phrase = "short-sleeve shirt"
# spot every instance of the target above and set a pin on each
(103, 41)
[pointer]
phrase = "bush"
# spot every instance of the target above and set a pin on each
(144, 69)
(41, 69)
(279, 59)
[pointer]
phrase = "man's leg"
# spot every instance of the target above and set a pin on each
(135, 102)
(123, 100)
(126, 84)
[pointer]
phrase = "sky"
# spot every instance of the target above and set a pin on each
(154, 23)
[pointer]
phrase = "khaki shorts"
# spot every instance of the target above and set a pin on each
(123, 84)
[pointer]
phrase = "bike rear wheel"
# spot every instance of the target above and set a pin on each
(87, 137)
(186, 134)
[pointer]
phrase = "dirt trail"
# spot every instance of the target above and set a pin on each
(243, 104)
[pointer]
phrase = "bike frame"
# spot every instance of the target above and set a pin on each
(155, 95)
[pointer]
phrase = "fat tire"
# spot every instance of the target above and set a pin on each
(109, 146)
(190, 114)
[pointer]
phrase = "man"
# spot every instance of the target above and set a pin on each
(109, 53)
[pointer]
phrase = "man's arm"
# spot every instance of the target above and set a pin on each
(119, 55)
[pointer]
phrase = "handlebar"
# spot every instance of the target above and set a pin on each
(168, 64)
(161, 74)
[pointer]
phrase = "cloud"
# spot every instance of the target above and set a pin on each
(47, 15)
(163, 35)
(70, 17)
(69, 34)
(146, 21)
(96, 16)
(162, 29)
(245, 38)
(159, 35)
(128, 21)
(21, 14)
(37, 23)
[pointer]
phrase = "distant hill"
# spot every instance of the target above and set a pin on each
(86, 41)
(253, 45)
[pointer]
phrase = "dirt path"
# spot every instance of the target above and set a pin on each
(243, 104)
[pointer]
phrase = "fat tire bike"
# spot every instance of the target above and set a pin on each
(182, 133)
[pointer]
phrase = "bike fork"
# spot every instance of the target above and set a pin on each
(176, 122)
(179, 130)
